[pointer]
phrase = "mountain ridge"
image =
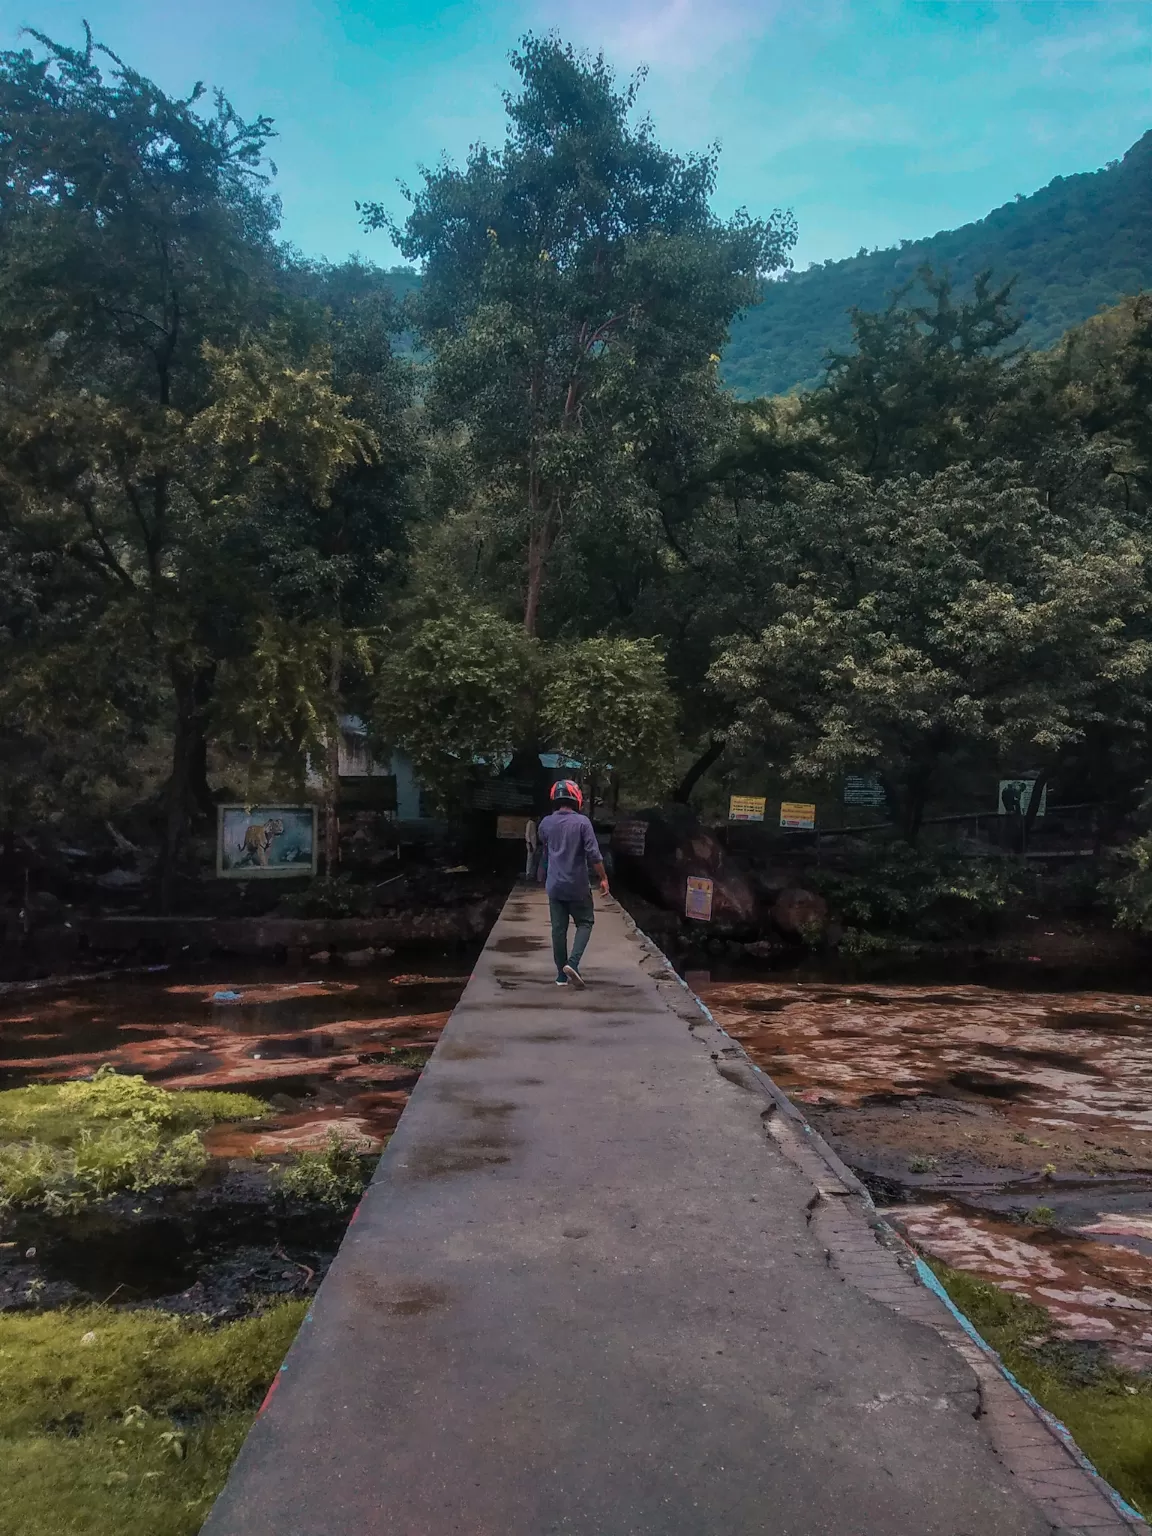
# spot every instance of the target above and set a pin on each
(1078, 244)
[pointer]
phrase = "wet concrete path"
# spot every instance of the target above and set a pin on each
(589, 1292)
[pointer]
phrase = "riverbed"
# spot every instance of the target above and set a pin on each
(331, 1052)
(1006, 1132)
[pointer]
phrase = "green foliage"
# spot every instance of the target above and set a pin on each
(457, 691)
(606, 703)
(192, 433)
(64, 1144)
(917, 390)
(1078, 244)
(1107, 1410)
(930, 893)
(334, 1176)
(1041, 1216)
(1129, 891)
(338, 896)
(576, 292)
(923, 619)
(128, 1421)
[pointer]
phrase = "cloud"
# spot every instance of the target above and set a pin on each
(676, 35)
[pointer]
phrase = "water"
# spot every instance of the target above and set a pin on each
(338, 1051)
(327, 1051)
(1007, 1132)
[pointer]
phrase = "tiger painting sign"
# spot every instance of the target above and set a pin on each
(265, 842)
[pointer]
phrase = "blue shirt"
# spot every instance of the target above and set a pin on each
(572, 846)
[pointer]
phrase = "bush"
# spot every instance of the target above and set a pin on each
(1129, 890)
(336, 897)
(64, 1144)
(933, 894)
(335, 1176)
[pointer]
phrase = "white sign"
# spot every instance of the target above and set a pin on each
(1016, 797)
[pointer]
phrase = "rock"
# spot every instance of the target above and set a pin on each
(359, 957)
(677, 846)
(321, 957)
(120, 880)
(800, 913)
(763, 949)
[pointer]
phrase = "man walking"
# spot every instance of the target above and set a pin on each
(570, 844)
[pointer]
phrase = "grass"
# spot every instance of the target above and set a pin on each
(127, 1422)
(1107, 1410)
(334, 1176)
(65, 1144)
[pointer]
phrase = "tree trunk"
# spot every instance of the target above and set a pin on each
(911, 800)
(192, 687)
(712, 754)
(332, 774)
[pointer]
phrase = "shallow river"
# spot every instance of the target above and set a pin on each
(1008, 1133)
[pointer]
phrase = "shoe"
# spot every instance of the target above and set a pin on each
(561, 981)
(574, 976)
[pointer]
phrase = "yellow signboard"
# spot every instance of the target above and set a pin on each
(798, 814)
(698, 899)
(746, 807)
(512, 828)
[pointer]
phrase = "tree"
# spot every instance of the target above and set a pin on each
(576, 294)
(606, 704)
(163, 400)
(923, 384)
(960, 617)
(457, 691)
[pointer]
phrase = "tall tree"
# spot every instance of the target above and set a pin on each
(577, 290)
(157, 391)
(922, 386)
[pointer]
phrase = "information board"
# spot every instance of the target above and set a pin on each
(698, 899)
(863, 789)
(1016, 797)
(798, 814)
(746, 807)
(503, 795)
(512, 828)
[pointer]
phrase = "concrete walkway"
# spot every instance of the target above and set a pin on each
(592, 1290)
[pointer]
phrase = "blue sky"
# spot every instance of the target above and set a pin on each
(873, 121)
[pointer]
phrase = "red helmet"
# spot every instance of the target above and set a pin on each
(567, 789)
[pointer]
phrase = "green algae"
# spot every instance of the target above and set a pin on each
(128, 1421)
(1107, 1410)
(65, 1144)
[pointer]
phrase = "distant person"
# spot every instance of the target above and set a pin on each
(570, 846)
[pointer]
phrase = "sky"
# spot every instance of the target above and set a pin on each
(874, 120)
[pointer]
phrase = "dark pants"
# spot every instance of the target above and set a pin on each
(582, 914)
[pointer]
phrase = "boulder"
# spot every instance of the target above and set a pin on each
(677, 846)
(764, 949)
(800, 913)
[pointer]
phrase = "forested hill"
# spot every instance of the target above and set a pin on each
(1079, 243)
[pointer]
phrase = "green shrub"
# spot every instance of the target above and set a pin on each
(1129, 889)
(338, 896)
(930, 893)
(64, 1144)
(335, 1176)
